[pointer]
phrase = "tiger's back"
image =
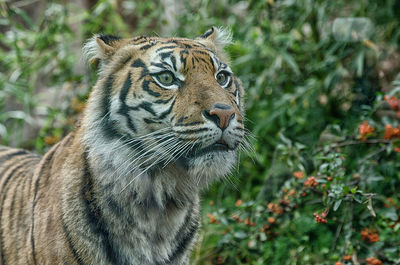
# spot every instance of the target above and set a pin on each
(17, 168)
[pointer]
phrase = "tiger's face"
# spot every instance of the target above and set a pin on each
(171, 100)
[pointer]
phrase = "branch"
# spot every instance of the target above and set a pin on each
(383, 148)
(358, 142)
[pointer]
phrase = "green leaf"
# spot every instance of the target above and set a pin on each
(337, 204)
(240, 235)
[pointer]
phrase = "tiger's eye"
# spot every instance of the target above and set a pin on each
(166, 78)
(222, 78)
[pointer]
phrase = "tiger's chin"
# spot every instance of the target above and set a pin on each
(209, 166)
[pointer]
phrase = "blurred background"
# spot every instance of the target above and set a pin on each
(321, 184)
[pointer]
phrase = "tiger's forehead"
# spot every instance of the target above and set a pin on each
(178, 55)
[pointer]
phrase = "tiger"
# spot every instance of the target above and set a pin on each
(163, 121)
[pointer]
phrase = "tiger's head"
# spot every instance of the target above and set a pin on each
(161, 101)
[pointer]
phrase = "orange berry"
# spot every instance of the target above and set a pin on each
(298, 174)
(369, 235)
(365, 129)
(271, 220)
(211, 202)
(320, 219)
(373, 261)
(393, 102)
(347, 257)
(238, 203)
(311, 182)
(391, 132)
(212, 218)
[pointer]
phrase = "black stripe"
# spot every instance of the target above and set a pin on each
(201, 52)
(164, 55)
(183, 55)
(234, 93)
(6, 157)
(193, 131)
(148, 46)
(126, 60)
(124, 109)
(147, 107)
(190, 46)
(75, 254)
(108, 126)
(108, 39)
(18, 179)
(140, 64)
(136, 39)
(188, 124)
(149, 121)
(168, 111)
(184, 236)
(163, 101)
(95, 218)
(206, 34)
(4, 194)
(46, 161)
(181, 119)
(160, 65)
(212, 63)
(166, 47)
(229, 84)
(173, 59)
(145, 86)
(203, 60)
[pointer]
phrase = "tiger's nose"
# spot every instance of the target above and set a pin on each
(220, 114)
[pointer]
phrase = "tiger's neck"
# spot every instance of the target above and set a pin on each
(146, 215)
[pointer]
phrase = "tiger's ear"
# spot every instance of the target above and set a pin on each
(219, 37)
(100, 48)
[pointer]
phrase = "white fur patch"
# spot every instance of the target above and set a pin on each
(224, 37)
(91, 50)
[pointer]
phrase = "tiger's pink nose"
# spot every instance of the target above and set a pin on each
(220, 114)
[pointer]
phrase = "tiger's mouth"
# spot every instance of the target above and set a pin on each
(219, 146)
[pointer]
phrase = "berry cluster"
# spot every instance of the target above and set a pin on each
(373, 261)
(365, 129)
(320, 219)
(369, 235)
(311, 182)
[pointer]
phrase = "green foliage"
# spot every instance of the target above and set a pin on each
(309, 94)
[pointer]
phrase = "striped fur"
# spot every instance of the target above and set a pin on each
(123, 187)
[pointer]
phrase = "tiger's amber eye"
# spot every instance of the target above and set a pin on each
(166, 78)
(222, 78)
